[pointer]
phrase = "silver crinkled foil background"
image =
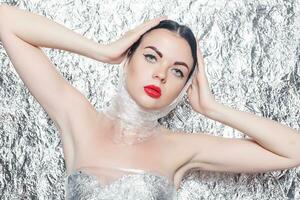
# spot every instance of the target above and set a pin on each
(252, 54)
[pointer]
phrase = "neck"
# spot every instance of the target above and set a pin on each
(135, 123)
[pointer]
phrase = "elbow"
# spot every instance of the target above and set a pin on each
(294, 145)
(3, 10)
(297, 148)
(4, 7)
(297, 163)
(3, 18)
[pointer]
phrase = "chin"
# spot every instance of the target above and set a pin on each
(147, 103)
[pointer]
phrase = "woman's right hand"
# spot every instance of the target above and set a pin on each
(117, 50)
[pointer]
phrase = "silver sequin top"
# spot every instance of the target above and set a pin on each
(142, 185)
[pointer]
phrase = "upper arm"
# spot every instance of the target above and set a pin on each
(215, 153)
(64, 104)
(58, 98)
(41, 78)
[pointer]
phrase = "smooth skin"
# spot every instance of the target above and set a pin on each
(159, 66)
(273, 146)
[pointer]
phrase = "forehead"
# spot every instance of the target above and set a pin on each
(170, 44)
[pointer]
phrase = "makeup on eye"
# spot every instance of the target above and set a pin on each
(150, 56)
(181, 75)
(161, 56)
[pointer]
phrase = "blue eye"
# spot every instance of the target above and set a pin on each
(147, 56)
(179, 72)
(151, 58)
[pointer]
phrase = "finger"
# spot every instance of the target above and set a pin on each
(165, 17)
(195, 82)
(151, 23)
(142, 28)
(191, 87)
(200, 60)
(199, 53)
(132, 35)
(146, 23)
(194, 89)
(155, 20)
(189, 92)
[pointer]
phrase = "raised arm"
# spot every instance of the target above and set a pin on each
(65, 105)
(272, 146)
(42, 32)
(271, 135)
(22, 42)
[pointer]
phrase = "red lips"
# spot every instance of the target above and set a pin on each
(152, 91)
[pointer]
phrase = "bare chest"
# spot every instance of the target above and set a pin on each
(96, 148)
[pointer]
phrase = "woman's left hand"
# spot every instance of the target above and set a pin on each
(199, 93)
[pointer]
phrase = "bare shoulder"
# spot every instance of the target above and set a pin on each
(182, 145)
(184, 140)
(184, 148)
(78, 129)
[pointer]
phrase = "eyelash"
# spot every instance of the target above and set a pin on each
(153, 57)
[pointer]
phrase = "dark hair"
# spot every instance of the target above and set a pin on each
(184, 31)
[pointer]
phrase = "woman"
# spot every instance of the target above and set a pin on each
(123, 148)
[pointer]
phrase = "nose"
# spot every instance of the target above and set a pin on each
(161, 73)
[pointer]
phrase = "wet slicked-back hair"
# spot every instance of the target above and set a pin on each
(182, 30)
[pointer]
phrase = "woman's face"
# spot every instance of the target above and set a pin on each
(163, 59)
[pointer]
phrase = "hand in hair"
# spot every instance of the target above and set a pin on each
(199, 94)
(117, 50)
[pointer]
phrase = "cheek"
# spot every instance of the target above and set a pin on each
(134, 74)
(175, 93)
(172, 90)
(138, 70)
(136, 77)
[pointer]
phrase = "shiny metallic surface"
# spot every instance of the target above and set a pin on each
(251, 50)
(138, 186)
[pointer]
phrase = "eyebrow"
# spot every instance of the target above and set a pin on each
(161, 55)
